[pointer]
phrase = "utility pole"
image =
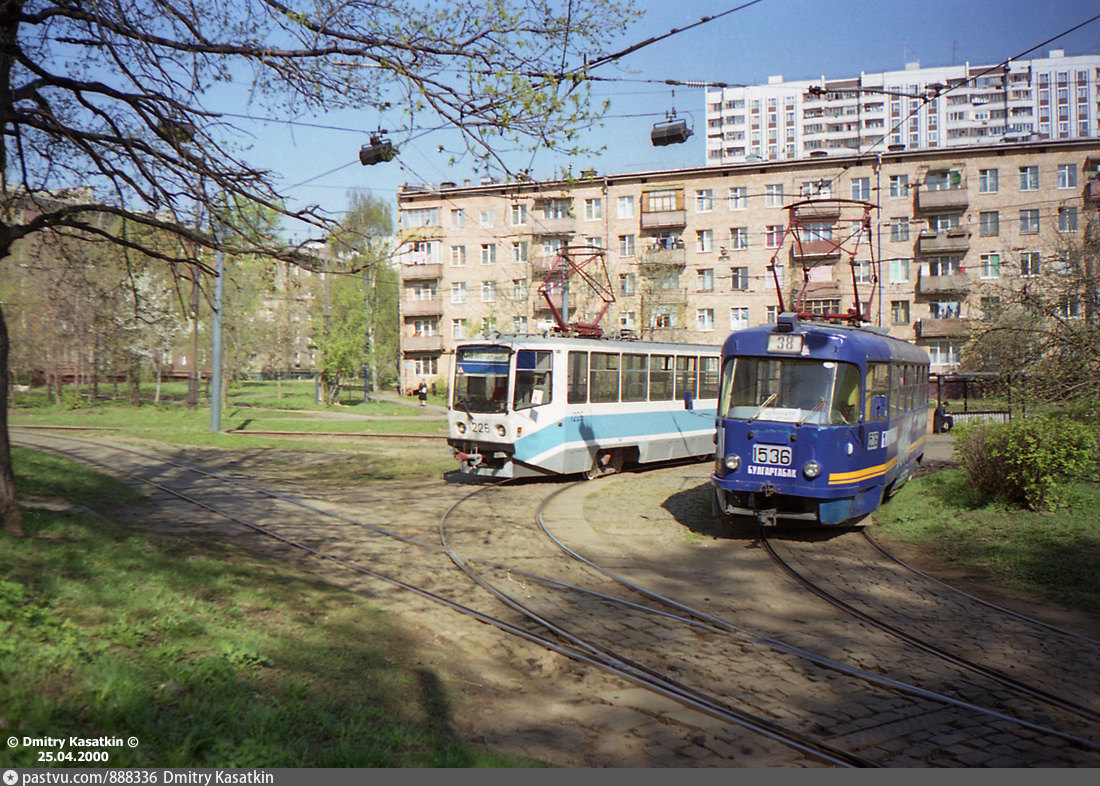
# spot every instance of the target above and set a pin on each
(368, 366)
(216, 380)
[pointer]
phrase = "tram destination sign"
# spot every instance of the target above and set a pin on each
(786, 343)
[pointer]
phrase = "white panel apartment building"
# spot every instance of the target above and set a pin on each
(688, 250)
(1056, 97)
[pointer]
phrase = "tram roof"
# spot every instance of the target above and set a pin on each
(528, 341)
(865, 342)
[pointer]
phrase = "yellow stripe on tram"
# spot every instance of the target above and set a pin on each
(867, 473)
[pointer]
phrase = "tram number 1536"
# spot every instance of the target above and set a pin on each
(775, 455)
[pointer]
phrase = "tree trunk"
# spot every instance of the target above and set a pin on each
(11, 520)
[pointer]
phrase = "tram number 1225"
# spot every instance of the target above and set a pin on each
(775, 455)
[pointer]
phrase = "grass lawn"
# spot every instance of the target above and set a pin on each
(210, 657)
(1053, 555)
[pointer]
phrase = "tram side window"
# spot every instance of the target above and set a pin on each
(845, 407)
(660, 377)
(878, 384)
(686, 376)
(635, 377)
(603, 378)
(577, 378)
(897, 391)
(708, 377)
(533, 378)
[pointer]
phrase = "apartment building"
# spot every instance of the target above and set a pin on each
(688, 252)
(1056, 97)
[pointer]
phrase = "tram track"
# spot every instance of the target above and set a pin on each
(817, 588)
(537, 627)
(806, 745)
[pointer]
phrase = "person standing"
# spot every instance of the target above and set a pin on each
(422, 393)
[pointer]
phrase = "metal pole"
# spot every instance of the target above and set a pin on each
(216, 341)
(366, 310)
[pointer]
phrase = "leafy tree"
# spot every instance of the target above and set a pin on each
(112, 95)
(342, 322)
(1047, 325)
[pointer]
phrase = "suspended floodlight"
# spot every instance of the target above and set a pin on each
(378, 151)
(671, 132)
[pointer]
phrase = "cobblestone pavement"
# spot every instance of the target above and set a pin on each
(654, 526)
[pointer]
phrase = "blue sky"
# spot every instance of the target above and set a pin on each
(800, 39)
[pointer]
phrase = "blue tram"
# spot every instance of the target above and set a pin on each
(531, 406)
(817, 422)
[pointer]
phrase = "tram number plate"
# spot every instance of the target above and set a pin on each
(775, 455)
(789, 343)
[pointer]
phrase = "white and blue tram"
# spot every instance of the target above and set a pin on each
(817, 422)
(528, 406)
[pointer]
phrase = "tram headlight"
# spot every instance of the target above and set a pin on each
(461, 427)
(501, 431)
(811, 469)
(732, 462)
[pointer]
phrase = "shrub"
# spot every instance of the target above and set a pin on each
(1025, 460)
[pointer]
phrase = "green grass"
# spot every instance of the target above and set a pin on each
(1054, 555)
(210, 657)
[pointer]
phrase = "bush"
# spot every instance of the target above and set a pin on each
(1024, 461)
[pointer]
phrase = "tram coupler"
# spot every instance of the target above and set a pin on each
(767, 517)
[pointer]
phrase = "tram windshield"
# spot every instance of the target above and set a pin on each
(790, 390)
(481, 379)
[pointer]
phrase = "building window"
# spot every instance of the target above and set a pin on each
(824, 306)
(488, 291)
(989, 223)
(1029, 178)
(991, 265)
(628, 320)
(739, 318)
(488, 325)
(519, 289)
(988, 182)
(626, 245)
(739, 278)
(739, 238)
(519, 251)
(944, 308)
(488, 253)
(458, 292)
(556, 209)
(1067, 176)
(486, 219)
(864, 271)
(944, 266)
(593, 209)
(458, 329)
(738, 197)
(424, 327)
(771, 315)
(704, 240)
(899, 312)
(1029, 263)
(458, 256)
(899, 186)
(663, 201)
(899, 271)
(773, 195)
(1067, 219)
(704, 200)
(426, 366)
(458, 219)
(943, 353)
(625, 207)
(1029, 222)
(627, 284)
(704, 280)
(704, 319)
(861, 188)
(773, 235)
(519, 215)
(899, 228)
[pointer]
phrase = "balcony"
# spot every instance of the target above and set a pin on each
(954, 283)
(553, 227)
(422, 344)
(409, 234)
(1092, 191)
(817, 211)
(657, 257)
(664, 219)
(814, 250)
(421, 272)
(943, 199)
(953, 241)
(422, 308)
(954, 327)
